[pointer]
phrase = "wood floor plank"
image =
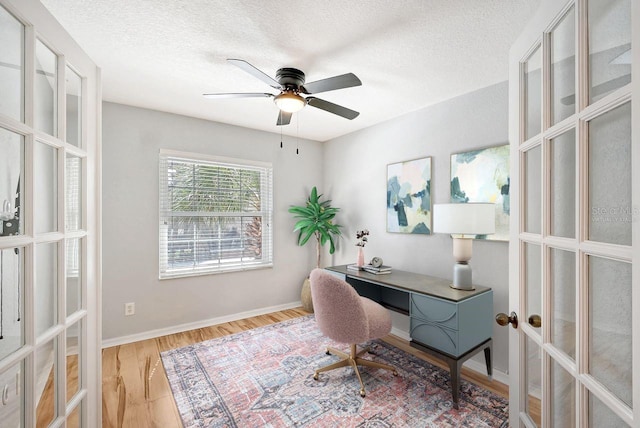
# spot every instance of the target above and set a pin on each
(136, 392)
(163, 413)
(109, 401)
(155, 382)
(130, 374)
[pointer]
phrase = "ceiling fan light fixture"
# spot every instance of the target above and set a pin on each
(289, 102)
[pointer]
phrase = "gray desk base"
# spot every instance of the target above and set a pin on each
(455, 364)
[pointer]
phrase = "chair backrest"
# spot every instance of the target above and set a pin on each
(338, 308)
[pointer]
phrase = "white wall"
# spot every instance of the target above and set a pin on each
(132, 138)
(355, 176)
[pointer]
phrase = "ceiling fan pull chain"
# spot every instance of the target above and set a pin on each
(297, 132)
(280, 113)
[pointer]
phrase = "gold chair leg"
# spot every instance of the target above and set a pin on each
(355, 369)
(353, 359)
(336, 365)
(337, 352)
(369, 363)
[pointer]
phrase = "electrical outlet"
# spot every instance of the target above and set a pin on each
(129, 308)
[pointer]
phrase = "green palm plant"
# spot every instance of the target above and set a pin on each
(316, 219)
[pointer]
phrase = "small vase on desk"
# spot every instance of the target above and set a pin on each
(360, 261)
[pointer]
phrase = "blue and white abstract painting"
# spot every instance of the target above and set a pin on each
(409, 196)
(483, 176)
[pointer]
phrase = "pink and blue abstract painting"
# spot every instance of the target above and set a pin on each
(409, 196)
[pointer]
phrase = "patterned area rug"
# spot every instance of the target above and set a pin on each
(264, 378)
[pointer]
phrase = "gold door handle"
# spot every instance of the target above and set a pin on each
(504, 319)
(535, 321)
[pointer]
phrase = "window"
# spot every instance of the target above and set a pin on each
(215, 214)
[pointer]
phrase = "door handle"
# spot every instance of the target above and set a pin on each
(535, 321)
(504, 319)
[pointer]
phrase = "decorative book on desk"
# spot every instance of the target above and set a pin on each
(355, 267)
(377, 270)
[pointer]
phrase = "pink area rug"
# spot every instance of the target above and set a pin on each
(264, 378)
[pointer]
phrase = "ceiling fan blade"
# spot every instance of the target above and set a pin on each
(244, 65)
(332, 108)
(239, 95)
(330, 84)
(284, 118)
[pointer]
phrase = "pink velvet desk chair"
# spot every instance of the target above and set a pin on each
(344, 316)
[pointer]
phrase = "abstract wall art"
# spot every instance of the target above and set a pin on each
(409, 196)
(483, 176)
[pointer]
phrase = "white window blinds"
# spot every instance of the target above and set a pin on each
(215, 214)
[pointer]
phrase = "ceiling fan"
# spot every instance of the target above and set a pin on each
(290, 82)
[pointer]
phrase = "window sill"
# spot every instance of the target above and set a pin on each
(178, 275)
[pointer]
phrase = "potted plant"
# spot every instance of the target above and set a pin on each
(315, 219)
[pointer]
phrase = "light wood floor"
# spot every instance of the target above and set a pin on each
(135, 390)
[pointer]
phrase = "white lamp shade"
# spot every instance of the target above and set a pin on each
(464, 219)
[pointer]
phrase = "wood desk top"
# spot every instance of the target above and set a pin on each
(413, 282)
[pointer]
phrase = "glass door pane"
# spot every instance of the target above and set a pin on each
(12, 309)
(533, 189)
(563, 184)
(610, 355)
(532, 94)
(610, 177)
(534, 382)
(74, 107)
(11, 66)
(46, 90)
(609, 23)
(563, 72)
(563, 299)
(73, 421)
(601, 416)
(46, 383)
(46, 286)
(12, 167)
(46, 188)
(74, 275)
(12, 410)
(563, 397)
(533, 284)
(73, 360)
(73, 194)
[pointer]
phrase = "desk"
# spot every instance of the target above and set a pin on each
(452, 325)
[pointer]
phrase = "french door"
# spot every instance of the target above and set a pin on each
(49, 232)
(575, 151)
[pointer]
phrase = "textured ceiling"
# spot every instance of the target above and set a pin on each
(164, 54)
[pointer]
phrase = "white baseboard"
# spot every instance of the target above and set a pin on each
(498, 375)
(195, 325)
(404, 335)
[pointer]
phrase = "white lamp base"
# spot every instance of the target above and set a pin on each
(462, 277)
(462, 248)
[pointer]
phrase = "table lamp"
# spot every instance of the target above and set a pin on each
(465, 221)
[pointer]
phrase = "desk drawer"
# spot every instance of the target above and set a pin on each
(435, 336)
(435, 311)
